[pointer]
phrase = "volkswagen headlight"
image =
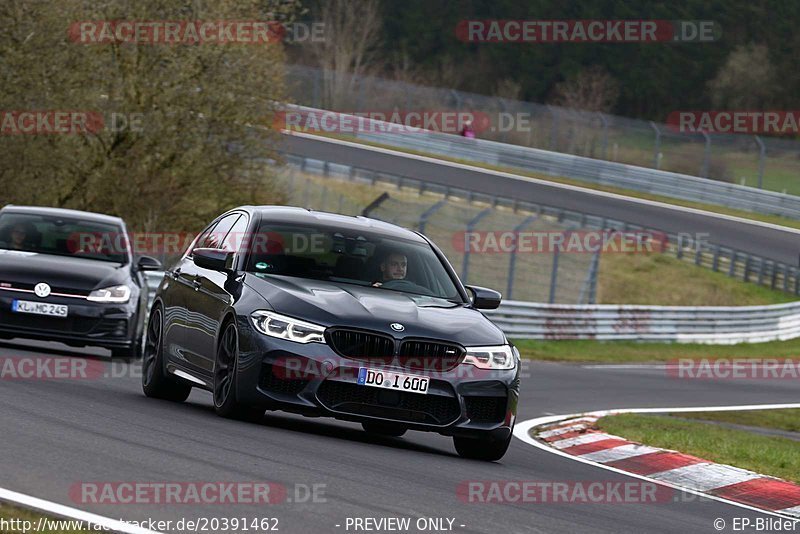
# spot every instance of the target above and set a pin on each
(276, 325)
(116, 294)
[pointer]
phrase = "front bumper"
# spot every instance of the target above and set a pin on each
(87, 323)
(313, 380)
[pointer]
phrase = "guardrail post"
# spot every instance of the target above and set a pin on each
(698, 253)
(732, 266)
(512, 261)
(423, 219)
(762, 154)
(715, 261)
(657, 149)
(785, 278)
(679, 251)
(761, 266)
(470, 227)
(706, 156)
(604, 121)
(554, 272)
(747, 268)
(774, 273)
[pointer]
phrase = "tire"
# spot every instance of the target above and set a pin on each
(155, 382)
(384, 429)
(225, 369)
(489, 450)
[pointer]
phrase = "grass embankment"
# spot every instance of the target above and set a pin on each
(775, 456)
(590, 351)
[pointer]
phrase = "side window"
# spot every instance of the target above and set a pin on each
(233, 241)
(203, 237)
(215, 237)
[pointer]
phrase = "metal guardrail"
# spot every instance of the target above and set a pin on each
(588, 170)
(765, 162)
(680, 324)
(734, 263)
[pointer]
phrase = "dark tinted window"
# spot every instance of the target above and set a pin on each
(63, 236)
(353, 257)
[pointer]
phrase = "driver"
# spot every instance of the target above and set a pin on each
(19, 234)
(393, 267)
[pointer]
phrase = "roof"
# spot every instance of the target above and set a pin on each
(290, 214)
(61, 212)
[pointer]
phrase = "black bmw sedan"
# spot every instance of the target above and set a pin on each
(69, 276)
(278, 308)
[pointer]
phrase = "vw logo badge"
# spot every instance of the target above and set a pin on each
(42, 290)
(397, 327)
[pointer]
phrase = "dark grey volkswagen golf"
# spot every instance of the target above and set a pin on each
(278, 308)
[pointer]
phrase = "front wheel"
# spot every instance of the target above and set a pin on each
(225, 367)
(488, 449)
(155, 382)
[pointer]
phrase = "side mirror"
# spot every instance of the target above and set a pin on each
(215, 259)
(146, 263)
(484, 298)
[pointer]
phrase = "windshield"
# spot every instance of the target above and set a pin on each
(62, 236)
(354, 257)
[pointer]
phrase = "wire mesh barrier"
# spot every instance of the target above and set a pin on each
(764, 162)
(530, 276)
(540, 276)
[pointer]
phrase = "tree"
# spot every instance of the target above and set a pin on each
(190, 153)
(745, 81)
(352, 33)
(592, 89)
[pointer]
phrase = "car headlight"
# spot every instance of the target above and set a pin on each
(117, 294)
(283, 327)
(498, 357)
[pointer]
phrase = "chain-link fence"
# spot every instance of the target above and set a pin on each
(768, 163)
(538, 276)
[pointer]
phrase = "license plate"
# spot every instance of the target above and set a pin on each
(39, 308)
(379, 378)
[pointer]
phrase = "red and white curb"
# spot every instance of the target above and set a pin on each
(574, 436)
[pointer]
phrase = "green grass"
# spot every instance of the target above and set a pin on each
(665, 280)
(775, 456)
(788, 420)
(773, 219)
(11, 513)
(590, 351)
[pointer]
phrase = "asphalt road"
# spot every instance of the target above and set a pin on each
(766, 242)
(59, 433)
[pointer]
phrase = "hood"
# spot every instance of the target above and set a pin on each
(346, 305)
(24, 269)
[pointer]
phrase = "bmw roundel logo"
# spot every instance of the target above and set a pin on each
(42, 290)
(397, 327)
